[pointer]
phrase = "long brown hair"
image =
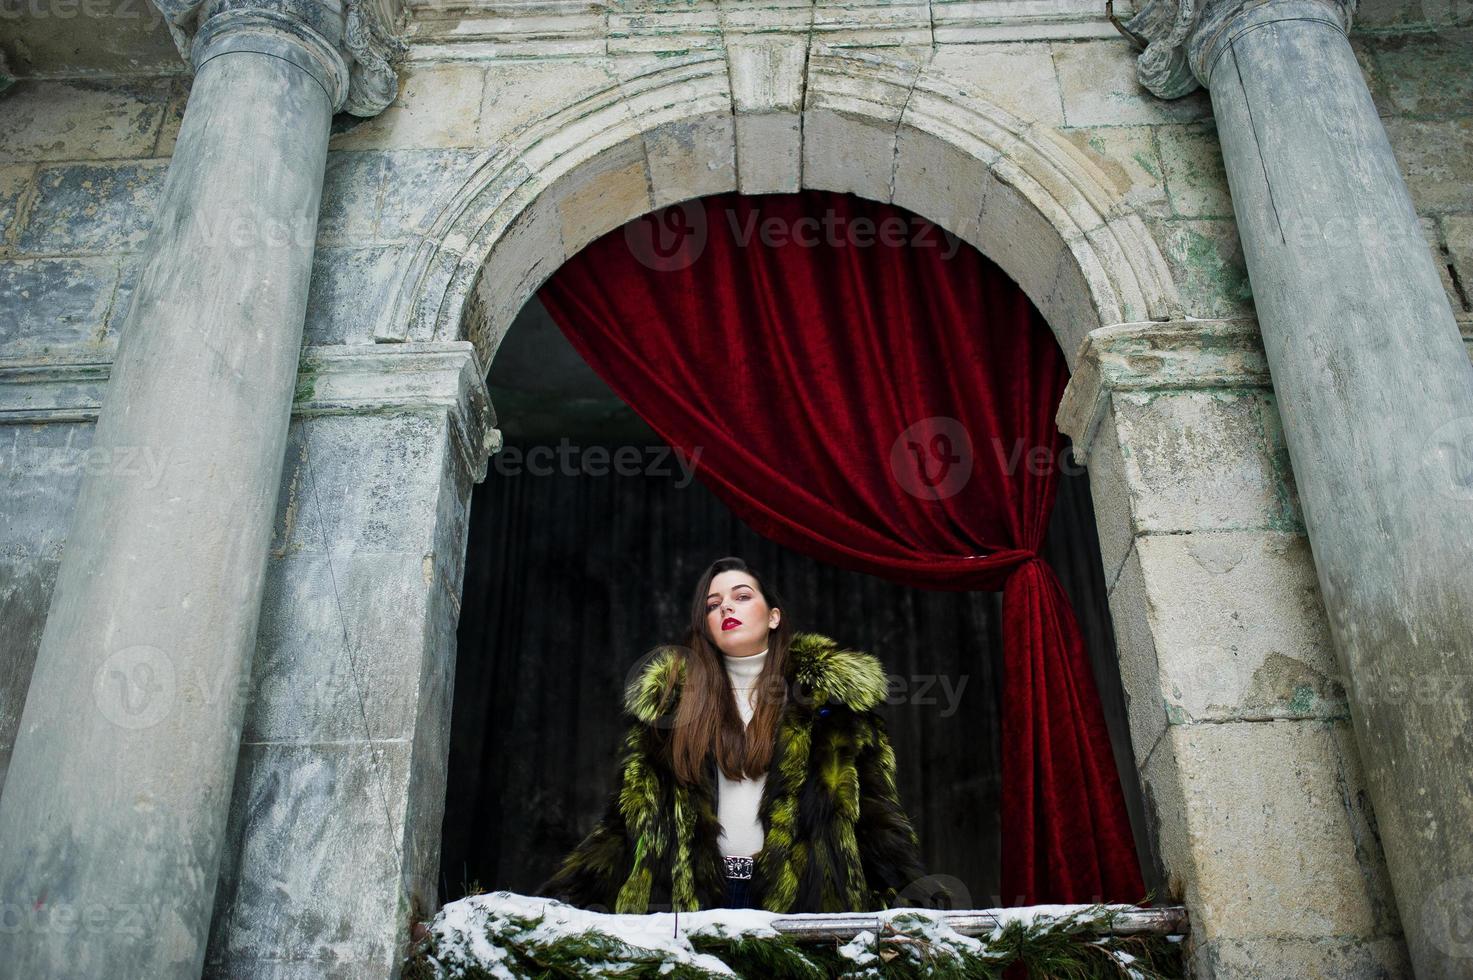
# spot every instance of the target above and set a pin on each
(706, 719)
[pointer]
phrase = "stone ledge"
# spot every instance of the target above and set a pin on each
(353, 379)
(1177, 355)
(1157, 355)
(499, 30)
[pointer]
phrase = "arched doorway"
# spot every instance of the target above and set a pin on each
(540, 669)
(666, 133)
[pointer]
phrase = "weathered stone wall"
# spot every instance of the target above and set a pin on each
(1238, 714)
(515, 140)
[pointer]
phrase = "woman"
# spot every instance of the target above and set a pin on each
(754, 773)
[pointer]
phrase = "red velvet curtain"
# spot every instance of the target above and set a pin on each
(865, 389)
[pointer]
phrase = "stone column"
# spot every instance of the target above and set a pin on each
(115, 804)
(1375, 391)
(333, 841)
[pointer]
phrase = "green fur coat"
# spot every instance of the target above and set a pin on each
(836, 836)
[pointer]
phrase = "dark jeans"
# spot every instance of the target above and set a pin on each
(737, 890)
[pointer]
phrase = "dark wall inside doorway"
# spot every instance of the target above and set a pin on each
(570, 578)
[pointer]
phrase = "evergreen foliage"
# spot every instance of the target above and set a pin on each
(503, 935)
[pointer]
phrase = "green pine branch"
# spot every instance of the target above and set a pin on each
(911, 945)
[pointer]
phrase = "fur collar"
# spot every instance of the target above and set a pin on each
(849, 677)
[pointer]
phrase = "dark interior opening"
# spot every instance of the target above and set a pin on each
(571, 577)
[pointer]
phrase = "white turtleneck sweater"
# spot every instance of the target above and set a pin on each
(737, 799)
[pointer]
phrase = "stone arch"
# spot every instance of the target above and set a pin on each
(773, 117)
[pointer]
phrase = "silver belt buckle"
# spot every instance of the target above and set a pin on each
(738, 867)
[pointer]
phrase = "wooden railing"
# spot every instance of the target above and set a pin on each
(1170, 920)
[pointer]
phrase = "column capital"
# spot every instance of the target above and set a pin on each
(1184, 38)
(350, 47)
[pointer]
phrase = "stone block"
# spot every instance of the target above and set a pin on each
(873, 23)
(639, 26)
(50, 304)
(1290, 514)
(339, 796)
(130, 267)
(1012, 232)
(1109, 489)
(26, 585)
(686, 81)
(350, 484)
(80, 119)
(740, 18)
(1219, 660)
(17, 181)
(1079, 293)
(425, 806)
(327, 821)
(1457, 232)
(1100, 88)
(1419, 15)
(1117, 260)
(173, 117)
(767, 79)
(1435, 157)
(691, 158)
(84, 207)
(936, 180)
(1019, 78)
(350, 291)
(351, 189)
(767, 74)
(1197, 460)
(847, 153)
(1259, 827)
(1331, 958)
(1424, 75)
(520, 95)
(1206, 261)
(1135, 650)
(1127, 158)
(1196, 181)
(599, 195)
(417, 184)
(41, 469)
(852, 108)
(437, 106)
(429, 275)
(529, 251)
(769, 153)
(337, 648)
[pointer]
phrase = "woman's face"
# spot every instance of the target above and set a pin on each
(737, 616)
